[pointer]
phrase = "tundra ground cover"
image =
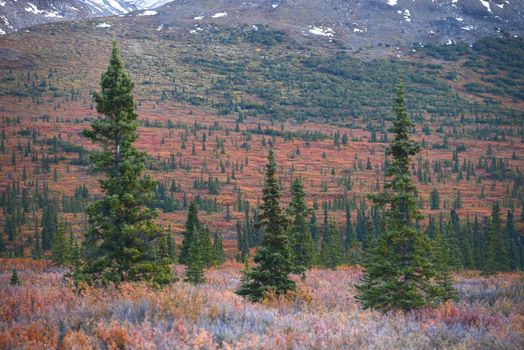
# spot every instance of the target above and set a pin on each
(46, 312)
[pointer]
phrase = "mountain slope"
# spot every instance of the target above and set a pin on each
(16, 14)
(353, 21)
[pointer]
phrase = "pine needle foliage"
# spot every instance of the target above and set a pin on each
(123, 239)
(301, 242)
(398, 273)
(15, 280)
(273, 257)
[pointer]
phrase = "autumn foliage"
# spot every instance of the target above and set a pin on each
(46, 312)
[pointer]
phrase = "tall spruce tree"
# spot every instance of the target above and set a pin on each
(123, 238)
(60, 249)
(440, 255)
(192, 225)
(302, 247)
(496, 259)
(194, 259)
(398, 273)
(273, 255)
(219, 256)
(513, 243)
(331, 252)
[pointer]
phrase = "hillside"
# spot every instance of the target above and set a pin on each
(271, 174)
(243, 80)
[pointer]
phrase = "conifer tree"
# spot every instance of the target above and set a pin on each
(219, 257)
(398, 273)
(60, 249)
(440, 254)
(37, 247)
(349, 235)
(496, 259)
(302, 248)
(513, 243)
(15, 280)
(468, 261)
(122, 237)
(192, 224)
(194, 259)
(273, 255)
(206, 246)
(171, 247)
(434, 199)
(313, 228)
(332, 249)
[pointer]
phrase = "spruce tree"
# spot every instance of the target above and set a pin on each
(194, 259)
(397, 271)
(171, 247)
(496, 259)
(302, 248)
(206, 246)
(192, 225)
(349, 236)
(513, 243)
(37, 253)
(274, 255)
(15, 280)
(331, 253)
(122, 238)
(60, 249)
(219, 257)
(440, 258)
(434, 199)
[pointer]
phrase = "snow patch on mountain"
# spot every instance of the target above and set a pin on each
(486, 4)
(219, 14)
(148, 13)
(147, 4)
(323, 31)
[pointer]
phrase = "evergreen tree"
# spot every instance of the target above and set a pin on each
(440, 255)
(219, 256)
(194, 260)
(49, 223)
(513, 243)
(349, 237)
(313, 228)
(332, 249)
(37, 242)
(274, 255)
(398, 273)
(478, 243)
(496, 259)
(60, 249)
(206, 246)
(192, 224)
(171, 247)
(434, 199)
(123, 237)
(14, 280)
(468, 261)
(302, 248)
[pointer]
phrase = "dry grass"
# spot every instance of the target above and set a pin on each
(45, 312)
